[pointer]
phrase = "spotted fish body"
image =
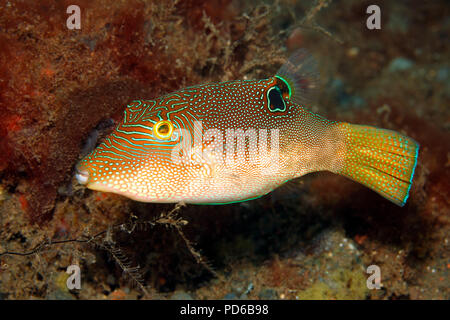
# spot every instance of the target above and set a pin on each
(238, 140)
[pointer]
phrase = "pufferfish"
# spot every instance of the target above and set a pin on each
(239, 140)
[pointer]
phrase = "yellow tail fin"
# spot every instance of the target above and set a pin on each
(380, 159)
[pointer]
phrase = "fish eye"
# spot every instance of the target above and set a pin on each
(163, 130)
(275, 100)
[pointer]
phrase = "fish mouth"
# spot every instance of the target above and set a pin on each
(82, 176)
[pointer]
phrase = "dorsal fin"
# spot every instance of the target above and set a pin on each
(301, 76)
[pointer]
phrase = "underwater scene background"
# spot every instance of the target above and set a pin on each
(62, 91)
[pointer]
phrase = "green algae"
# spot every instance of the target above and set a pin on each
(341, 285)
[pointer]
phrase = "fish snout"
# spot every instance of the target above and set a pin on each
(82, 175)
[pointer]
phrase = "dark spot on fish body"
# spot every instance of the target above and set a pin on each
(275, 100)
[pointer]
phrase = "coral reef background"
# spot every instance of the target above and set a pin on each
(61, 91)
